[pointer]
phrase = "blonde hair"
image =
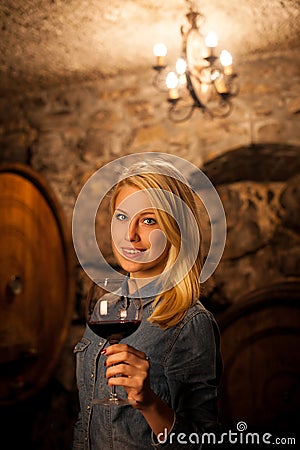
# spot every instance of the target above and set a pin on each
(160, 178)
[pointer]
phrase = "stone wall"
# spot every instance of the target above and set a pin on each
(261, 199)
(67, 132)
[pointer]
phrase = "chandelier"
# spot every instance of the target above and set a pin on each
(200, 78)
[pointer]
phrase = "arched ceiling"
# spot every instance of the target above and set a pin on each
(43, 41)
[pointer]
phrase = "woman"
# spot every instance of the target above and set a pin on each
(171, 366)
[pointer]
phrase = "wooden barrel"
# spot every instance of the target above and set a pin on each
(36, 282)
(260, 341)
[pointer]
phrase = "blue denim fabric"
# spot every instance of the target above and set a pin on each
(185, 370)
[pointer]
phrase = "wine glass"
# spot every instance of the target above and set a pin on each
(114, 311)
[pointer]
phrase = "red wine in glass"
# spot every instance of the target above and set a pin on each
(114, 312)
(115, 330)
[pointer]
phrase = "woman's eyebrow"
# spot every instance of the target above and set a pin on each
(142, 213)
(146, 213)
(121, 210)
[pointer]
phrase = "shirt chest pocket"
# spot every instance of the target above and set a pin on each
(80, 351)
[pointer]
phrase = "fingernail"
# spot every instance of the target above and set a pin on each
(103, 351)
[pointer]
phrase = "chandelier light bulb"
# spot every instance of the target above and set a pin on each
(211, 40)
(172, 80)
(160, 49)
(225, 58)
(181, 69)
(172, 84)
(226, 61)
(180, 66)
(160, 52)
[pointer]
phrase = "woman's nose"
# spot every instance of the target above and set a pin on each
(132, 232)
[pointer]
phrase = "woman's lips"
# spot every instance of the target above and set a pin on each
(132, 253)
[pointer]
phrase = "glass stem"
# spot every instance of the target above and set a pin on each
(113, 393)
(113, 389)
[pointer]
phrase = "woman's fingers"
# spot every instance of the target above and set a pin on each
(117, 348)
(127, 357)
(123, 370)
(119, 353)
(127, 364)
(129, 367)
(129, 377)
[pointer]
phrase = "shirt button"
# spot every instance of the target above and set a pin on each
(88, 407)
(92, 375)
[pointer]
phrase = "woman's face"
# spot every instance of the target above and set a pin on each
(139, 244)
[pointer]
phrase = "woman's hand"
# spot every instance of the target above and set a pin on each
(132, 369)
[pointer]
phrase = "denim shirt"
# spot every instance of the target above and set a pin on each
(185, 370)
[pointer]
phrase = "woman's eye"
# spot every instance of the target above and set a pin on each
(149, 221)
(121, 216)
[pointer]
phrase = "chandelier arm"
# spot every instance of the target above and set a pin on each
(224, 109)
(159, 80)
(234, 86)
(174, 114)
(190, 87)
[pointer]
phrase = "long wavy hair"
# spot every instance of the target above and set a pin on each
(178, 215)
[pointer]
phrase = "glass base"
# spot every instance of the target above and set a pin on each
(111, 401)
